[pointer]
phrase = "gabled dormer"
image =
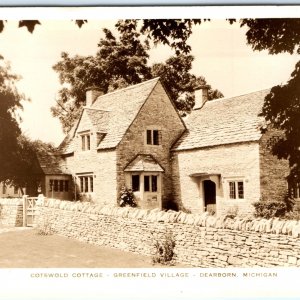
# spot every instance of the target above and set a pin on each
(92, 129)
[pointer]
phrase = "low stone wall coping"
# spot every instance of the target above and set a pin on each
(275, 225)
(11, 201)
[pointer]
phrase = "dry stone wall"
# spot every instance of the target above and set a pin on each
(11, 212)
(200, 240)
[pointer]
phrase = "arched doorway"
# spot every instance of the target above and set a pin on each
(209, 188)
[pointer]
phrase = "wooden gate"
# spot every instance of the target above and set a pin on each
(29, 210)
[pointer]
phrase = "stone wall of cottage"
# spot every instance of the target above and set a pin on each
(229, 162)
(101, 164)
(11, 212)
(157, 112)
(272, 170)
(200, 240)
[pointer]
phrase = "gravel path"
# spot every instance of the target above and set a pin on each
(9, 228)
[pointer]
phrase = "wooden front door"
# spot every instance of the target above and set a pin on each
(209, 195)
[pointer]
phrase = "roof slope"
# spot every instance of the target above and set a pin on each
(67, 145)
(99, 118)
(224, 121)
(51, 163)
(123, 106)
(144, 162)
(112, 114)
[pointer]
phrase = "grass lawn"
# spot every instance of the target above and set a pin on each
(27, 249)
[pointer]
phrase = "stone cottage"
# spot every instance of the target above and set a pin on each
(216, 159)
(223, 162)
(124, 138)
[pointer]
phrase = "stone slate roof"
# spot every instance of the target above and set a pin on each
(144, 162)
(67, 145)
(224, 121)
(99, 118)
(51, 164)
(112, 114)
(123, 106)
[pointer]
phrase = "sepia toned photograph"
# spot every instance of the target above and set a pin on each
(153, 143)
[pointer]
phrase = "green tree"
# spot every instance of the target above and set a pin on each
(10, 103)
(175, 73)
(18, 154)
(117, 64)
(282, 106)
(275, 35)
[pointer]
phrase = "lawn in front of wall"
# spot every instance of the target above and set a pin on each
(28, 249)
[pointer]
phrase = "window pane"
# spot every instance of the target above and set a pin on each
(147, 183)
(241, 189)
(55, 185)
(4, 188)
(88, 138)
(86, 184)
(15, 190)
(61, 185)
(66, 185)
(51, 185)
(154, 183)
(231, 189)
(155, 137)
(81, 184)
(135, 183)
(83, 142)
(91, 184)
(149, 137)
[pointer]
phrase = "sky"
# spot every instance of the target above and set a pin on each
(221, 54)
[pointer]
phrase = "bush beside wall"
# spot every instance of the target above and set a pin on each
(200, 240)
(11, 212)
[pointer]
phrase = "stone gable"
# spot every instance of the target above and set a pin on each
(157, 112)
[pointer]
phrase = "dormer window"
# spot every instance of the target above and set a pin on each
(153, 137)
(85, 141)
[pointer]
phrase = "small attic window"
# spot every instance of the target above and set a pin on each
(85, 141)
(153, 137)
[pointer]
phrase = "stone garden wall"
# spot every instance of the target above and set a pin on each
(200, 240)
(11, 211)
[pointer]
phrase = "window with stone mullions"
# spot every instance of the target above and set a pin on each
(86, 184)
(153, 137)
(85, 142)
(236, 189)
(135, 180)
(150, 183)
(59, 185)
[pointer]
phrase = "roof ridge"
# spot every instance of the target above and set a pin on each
(128, 88)
(98, 109)
(236, 96)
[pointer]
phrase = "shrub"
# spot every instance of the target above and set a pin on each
(45, 228)
(164, 250)
(127, 198)
(270, 209)
(294, 215)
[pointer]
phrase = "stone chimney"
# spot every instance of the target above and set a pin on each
(201, 96)
(92, 93)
